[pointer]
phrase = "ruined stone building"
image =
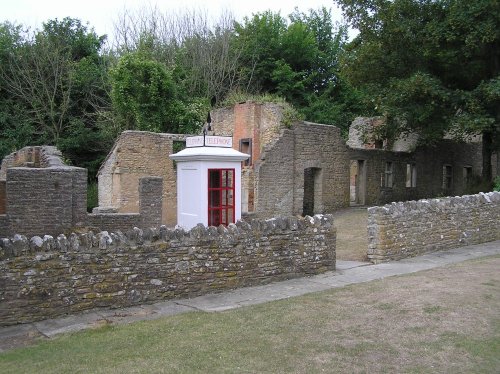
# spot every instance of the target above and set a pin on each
(382, 172)
(304, 168)
(41, 195)
(295, 169)
(39, 192)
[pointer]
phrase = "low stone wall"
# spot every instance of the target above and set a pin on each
(150, 210)
(46, 277)
(406, 229)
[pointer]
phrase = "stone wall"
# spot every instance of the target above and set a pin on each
(34, 157)
(259, 122)
(280, 174)
(45, 201)
(138, 154)
(429, 162)
(375, 162)
(39, 194)
(407, 229)
(45, 277)
(3, 196)
(150, 209)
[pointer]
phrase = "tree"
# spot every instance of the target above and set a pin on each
(144, 97)
(16, 128)
(201, 54)
(431, 67)
(260, 39)
(42, 72)
(298, 59)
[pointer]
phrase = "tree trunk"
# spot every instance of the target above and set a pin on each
(487, 153)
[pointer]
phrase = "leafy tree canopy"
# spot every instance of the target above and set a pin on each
(145, 98)
(430, 66)
(52, 84)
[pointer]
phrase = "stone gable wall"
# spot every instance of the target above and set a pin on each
(34, 157)
(280, 174)
(138, 154)
(46, 277)
(407, 229)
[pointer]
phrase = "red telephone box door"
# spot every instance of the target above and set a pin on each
(220, 197)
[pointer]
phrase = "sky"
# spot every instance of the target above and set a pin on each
(101, 14)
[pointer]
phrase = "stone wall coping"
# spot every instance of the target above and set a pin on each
(52, 167)
(20, 245)
(420, 206)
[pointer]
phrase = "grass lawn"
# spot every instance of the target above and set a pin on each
(445, 320)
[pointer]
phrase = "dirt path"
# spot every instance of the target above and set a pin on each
(352, 237)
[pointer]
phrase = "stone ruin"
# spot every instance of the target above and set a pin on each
(40, 194)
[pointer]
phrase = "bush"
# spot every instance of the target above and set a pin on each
(92, 196)
(496, 183)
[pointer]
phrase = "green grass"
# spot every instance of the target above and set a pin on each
(390, 325)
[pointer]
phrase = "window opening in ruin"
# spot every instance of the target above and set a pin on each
(357, 182)
(312, 203)
(411, 175)
(388, 179)
(220, 197)
(246, 147)
(467, 174)
(378, 144)
(447, 177)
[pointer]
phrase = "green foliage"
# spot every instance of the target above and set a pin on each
(52, 86)
(142, 91)
(338, 104)
(92, 196)
(235, 97)
(299, 61)
(431, 66)
(290, 115)
(496, 183)
(59, 86)
(144, 97)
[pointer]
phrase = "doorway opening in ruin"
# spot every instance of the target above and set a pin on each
(358, 182)
(312, 203)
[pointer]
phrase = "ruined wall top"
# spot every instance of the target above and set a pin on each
(362, 136)
(35, 157)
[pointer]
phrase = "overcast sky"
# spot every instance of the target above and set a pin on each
(102, 13)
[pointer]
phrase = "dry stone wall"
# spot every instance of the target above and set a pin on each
(407, 229)
(43, 277)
